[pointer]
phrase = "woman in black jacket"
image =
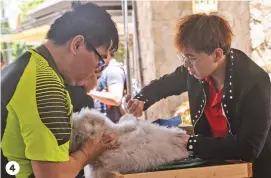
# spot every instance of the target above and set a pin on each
(229, 94)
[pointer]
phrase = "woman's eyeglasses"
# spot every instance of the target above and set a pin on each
(190, 61)
(187, 61)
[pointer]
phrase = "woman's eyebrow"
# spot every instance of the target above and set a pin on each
(189, 55)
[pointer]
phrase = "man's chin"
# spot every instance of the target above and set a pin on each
(72, 83)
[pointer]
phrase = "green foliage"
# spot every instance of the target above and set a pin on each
(3, 47)
(119, 55)
(4, 26)
(27, 6)
(5, 29)
(19, 48)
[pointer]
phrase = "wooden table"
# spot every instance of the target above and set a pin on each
(188, 128)
(240, 170)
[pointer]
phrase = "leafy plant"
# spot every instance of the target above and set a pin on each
(26, 7)
(19, 48)
(119, 55)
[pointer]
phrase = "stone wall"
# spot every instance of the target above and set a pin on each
(157, 21)
(260, 26)
(251, 23)
(238, 15)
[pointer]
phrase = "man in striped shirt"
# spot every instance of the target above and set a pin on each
(35, 104)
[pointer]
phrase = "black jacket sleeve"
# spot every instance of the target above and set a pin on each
(168, 85)
(248, 142)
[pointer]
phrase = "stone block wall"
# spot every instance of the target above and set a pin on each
(238, 15)
(260, 31)
(157, 20)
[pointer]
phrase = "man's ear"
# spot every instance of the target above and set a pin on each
(76, 43)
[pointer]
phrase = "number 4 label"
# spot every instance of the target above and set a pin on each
(12, 168)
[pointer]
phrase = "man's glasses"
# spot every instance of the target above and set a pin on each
(92, 48)
(101, 65)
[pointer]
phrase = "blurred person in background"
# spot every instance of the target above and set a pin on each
(110, 89)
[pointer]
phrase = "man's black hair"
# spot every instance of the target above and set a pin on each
(88, 20)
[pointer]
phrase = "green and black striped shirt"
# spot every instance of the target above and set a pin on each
(35, 112)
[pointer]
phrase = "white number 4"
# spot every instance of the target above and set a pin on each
(12, 168)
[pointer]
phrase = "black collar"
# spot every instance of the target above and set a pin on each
(228, 84)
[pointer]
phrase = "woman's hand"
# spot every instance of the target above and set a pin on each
(186, 138)
(134, 106)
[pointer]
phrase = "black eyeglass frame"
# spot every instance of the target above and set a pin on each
(101, 65)
(92, 48)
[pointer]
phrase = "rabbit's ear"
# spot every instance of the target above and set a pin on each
(75, 116)
(92, 115)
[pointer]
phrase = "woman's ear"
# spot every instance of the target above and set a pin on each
(218, 54)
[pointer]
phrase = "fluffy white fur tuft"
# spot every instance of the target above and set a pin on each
(142, 145)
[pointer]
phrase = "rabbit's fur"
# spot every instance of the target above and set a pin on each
(141, 144)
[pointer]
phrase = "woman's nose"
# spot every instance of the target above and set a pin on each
(187, 64)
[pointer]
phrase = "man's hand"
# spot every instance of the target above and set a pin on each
(134, 106)
(77, 160)
(92, 149)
